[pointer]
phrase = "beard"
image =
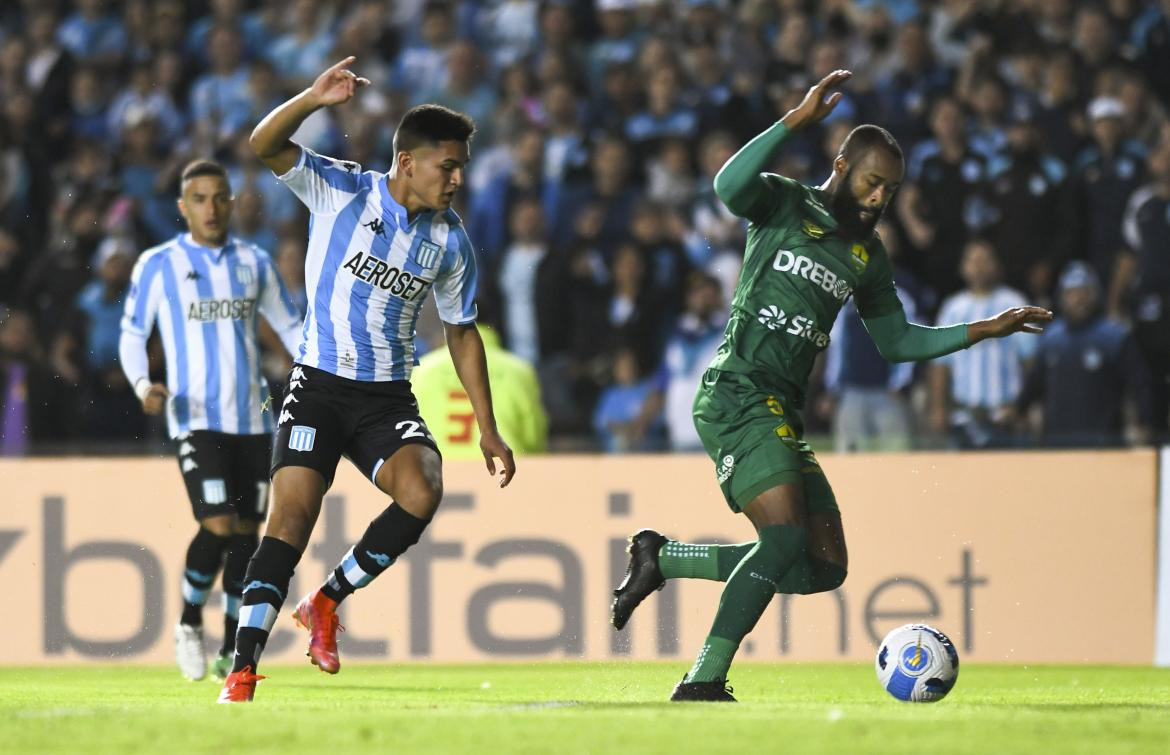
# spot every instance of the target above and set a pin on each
(848, 212)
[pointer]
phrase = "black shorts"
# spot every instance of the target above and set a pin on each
(225, 474)
(325, 417)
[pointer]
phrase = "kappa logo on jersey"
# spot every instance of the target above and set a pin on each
(813, 272)
(302, 438)
(193, 275)
(370, 269)
(860, 257)
(377, 226)
(214, 492)
(427, 254)
(811, 229)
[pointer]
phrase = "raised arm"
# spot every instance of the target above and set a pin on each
(738, 183)
(272, 138)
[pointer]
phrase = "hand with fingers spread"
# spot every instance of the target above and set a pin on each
(818, 102)
(1015, 320)
(494, 447)
(337, 84)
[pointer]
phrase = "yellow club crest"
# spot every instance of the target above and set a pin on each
(812, 229)
(860, 257)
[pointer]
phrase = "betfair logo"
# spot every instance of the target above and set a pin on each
(860, 257)
(811, 229)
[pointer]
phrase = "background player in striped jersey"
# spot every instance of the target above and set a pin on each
(378, 242)
(205, 289)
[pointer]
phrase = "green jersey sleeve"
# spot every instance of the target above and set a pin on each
(745, 189)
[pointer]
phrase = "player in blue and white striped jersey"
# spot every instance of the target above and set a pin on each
(205, 290)
(378, 243)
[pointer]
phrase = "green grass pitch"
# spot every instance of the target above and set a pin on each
(583, 708)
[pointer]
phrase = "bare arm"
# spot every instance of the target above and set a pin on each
(466, 347)
(272, 138)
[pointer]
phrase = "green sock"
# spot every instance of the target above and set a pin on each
(687, 561)
(748, 591)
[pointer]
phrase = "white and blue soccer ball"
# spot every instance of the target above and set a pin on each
(917, 663)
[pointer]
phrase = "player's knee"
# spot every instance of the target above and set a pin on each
(245, 527)
(421, 497)
(828, 576)
(777, 545)
(218, 525)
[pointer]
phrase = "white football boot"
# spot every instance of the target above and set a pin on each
(189, 651)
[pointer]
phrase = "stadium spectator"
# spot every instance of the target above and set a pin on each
(863, 392)
(611, 188)
(465, 90)
(36, 407)
(943, 200)
(628, 415)
(688, 352)
(93, 35)
(444, 405)
(1107, 172)
(290, 263)
(1030, 224)
(303, 52)
(110, 409)
(218, 95)
(1083, 354)
(974, 391)
(517, 280)
(1141, 287)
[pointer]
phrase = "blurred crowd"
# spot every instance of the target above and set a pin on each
(1038, 170)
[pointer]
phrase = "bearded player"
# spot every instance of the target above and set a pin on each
(808, 250)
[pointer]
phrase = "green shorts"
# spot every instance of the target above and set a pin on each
(754, 437)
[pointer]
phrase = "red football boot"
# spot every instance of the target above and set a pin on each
(317, 613)
(240, 686)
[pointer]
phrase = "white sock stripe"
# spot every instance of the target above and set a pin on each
(231, 605)
(354, 574)
(193, 594)
(258, 616)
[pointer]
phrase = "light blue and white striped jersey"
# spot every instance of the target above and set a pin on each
(990, 373)
(368, 269)
(205, 301)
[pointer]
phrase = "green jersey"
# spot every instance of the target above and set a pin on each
(798, 271)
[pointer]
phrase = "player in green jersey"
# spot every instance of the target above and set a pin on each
(808, 250)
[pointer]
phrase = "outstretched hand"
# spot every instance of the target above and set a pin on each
(337, 84)
(815, 106)
(1015, 320)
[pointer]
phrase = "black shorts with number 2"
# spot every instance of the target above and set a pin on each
(325, 417)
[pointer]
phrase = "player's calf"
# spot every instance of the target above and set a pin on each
(387, 538)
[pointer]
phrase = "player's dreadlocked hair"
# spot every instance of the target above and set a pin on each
(866, 137)
(430, 124)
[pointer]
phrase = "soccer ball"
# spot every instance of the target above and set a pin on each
(917, 663)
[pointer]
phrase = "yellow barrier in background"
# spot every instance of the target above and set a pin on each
(1020, 557)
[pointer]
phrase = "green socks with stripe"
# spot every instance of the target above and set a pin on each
(749, 589)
